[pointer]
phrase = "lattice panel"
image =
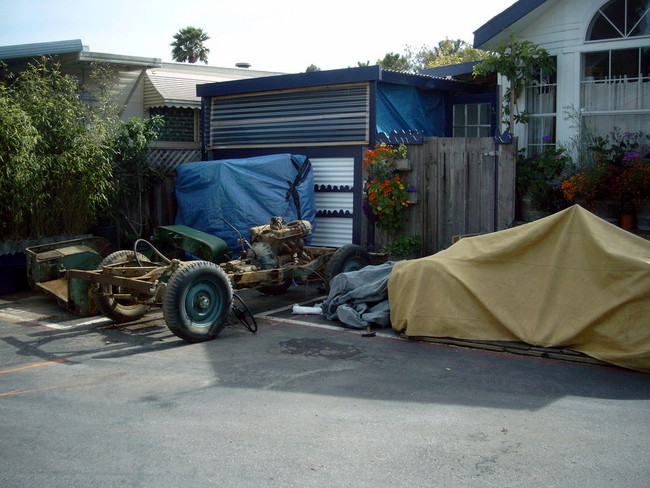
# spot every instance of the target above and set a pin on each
(168, 159)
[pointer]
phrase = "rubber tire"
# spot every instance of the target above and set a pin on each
(346, 258)
(119, 311)
(184, 315)
(243, 314)
(275, 289)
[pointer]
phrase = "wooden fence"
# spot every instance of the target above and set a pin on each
(464, 186)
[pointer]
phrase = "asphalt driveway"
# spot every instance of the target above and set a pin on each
(301, 403)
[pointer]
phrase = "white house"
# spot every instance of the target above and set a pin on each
(602, 48)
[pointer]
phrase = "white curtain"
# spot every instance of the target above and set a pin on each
(620, 94)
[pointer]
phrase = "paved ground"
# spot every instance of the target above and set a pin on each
(87, 403)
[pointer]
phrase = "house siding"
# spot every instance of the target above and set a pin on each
(560, 27)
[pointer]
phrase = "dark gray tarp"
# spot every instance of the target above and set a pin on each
(360, 298)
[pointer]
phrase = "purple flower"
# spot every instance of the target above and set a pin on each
(631, 156)
(546, 139)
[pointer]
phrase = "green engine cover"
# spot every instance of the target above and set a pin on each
(171, 238)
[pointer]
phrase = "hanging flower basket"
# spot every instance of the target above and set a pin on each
(386, 196)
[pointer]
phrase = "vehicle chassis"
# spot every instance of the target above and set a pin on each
(196, 296)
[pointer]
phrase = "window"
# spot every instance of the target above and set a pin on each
(616, 88)
(620, 19)
(179, 124)
(472, 120)
(541, 109)
(616, 82)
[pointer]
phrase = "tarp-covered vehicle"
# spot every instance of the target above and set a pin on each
(569, 280)
(218, 197)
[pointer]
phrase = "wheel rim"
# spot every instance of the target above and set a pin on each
(203, 303)
(352, 265)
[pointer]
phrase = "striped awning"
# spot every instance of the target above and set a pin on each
(175, 86)
(164, 88)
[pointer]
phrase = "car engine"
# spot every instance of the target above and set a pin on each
(273, 245)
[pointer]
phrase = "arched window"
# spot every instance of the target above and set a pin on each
(616, 82)
(619, 19)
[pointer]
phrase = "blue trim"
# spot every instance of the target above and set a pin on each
(334, 214)
(372, 116)
(504, 20)
(412, 136)
(309, 151)
(451, 70)
(333, 189)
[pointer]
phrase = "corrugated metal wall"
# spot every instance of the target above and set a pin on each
(334, 186)
(326, 115)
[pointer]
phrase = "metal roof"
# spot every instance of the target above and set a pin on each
(76, 49)
(504, 20)
(451, 70)
(40, 48)
(330, 77)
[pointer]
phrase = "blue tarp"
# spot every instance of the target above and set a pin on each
(246, 192)
(404, 108)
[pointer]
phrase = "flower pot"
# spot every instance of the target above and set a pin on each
(528, 212)
(412, 198)
(402, 164)
(627, 221)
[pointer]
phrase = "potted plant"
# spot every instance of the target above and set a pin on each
(401, 162)
(386, 196)
(403, 247)
(617, 171)
(539, 182)
(412, 194)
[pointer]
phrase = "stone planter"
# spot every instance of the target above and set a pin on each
(529, 213)
(643, 217)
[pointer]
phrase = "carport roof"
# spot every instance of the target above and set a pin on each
(73, 48)
(40, 48)
(330, 77)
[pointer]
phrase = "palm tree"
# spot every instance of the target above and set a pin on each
(188, 45)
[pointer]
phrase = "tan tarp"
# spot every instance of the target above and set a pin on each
(570, 280)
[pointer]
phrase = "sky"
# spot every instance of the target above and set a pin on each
(282, 35)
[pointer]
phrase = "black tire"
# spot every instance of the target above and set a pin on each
(116, 309)
(243, 314)
(197, 301)
(275, 289)
(347, 258)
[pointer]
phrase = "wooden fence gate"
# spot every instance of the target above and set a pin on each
(464, 186)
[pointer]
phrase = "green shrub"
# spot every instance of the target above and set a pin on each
(56, 176)
(403, 246)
